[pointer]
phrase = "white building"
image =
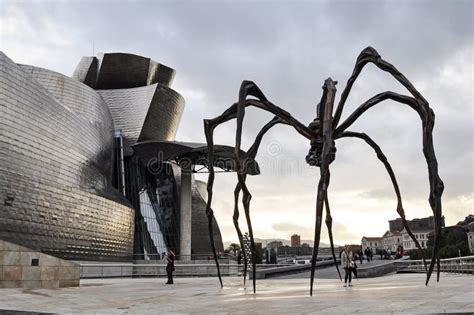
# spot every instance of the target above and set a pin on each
(392, 240)
(470, 240)
(470, 236)
(373, 243)
(420, 235)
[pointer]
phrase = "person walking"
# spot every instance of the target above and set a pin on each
(370, 255)
(347, 263)
(170, 266)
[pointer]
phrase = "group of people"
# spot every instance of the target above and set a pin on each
(369, 254)
(385, 254)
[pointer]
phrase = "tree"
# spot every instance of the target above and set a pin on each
(451, 245)
(234, 248)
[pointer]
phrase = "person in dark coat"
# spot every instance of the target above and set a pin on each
(170, 266)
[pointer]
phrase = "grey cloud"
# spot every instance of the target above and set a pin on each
(289, 48)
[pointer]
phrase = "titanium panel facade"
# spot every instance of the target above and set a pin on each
(200, 243)
(151, 112)
(61, 161)
(164, 114)
(89, 108)
(54, 164)
(129, 108)
(86, 71)
(122, 71)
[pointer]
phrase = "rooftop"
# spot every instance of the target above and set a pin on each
(369, 238)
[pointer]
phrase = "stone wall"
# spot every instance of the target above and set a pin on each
(21, 267)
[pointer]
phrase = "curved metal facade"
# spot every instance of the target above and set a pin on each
(151, 113)
(200, 244)
(90, 110)
(55, 164)
(62, 158)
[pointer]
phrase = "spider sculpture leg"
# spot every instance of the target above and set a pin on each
(329, 226)
(209, 126)
(388, 167)
(326, 157)
(427, 116)
(322, 193)
(251, 154)
(249, 88)
(246, 89)
(235, 219)
(209, 130)
(230, 113)
(436, 184)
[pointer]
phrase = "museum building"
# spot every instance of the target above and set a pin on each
(89, 169)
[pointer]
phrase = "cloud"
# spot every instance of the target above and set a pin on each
(288, 50)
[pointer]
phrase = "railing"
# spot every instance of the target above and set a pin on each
(191, 257)
(91, 270)
(457, 265)
(271, 271)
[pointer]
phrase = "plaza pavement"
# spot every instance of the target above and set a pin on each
(398, 293)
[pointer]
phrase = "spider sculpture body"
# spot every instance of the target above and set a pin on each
(322, 134)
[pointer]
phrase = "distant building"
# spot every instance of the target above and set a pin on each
(274, 244)
(294, 251)
(415, 224)
(470, 236)
(467, 220)
(392, 240)
(373, 243)
(470, 227)
(354, 248)
(420, 235)
(306, 250)
(470, 240)
(397, 235)
(295, 240)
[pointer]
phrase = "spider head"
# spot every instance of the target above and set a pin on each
(314, 157)
(315, 154)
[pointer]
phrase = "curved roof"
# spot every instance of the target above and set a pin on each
(122, 71)
(193, 154)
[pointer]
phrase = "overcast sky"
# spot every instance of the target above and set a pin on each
(289, 49)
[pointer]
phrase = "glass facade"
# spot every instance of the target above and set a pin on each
(154, 197)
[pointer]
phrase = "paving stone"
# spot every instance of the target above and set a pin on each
(400, 294)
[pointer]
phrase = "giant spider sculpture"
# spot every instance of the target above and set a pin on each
(322, 133)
